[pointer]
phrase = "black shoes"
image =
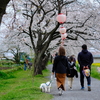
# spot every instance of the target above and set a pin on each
(89, 88)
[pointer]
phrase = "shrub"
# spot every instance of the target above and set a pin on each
(5, 75)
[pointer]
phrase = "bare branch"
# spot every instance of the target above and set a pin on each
(82, 24)
(68, 2)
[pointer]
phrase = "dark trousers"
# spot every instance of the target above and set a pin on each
(82, 79)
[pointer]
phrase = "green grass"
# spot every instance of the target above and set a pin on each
(23, 86)
(17, 84)
(49, 62)
(94, 71)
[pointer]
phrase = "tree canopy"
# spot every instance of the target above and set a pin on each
(34, 21)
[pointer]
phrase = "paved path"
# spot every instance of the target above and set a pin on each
(76, 93)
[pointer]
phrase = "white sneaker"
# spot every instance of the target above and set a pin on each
(71, 89)
(60, 91)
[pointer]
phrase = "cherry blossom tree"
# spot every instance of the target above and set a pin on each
(39, 25)
(42, 26)
(15, 45)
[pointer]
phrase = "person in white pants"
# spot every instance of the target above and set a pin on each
(73, 72)
(70, 81)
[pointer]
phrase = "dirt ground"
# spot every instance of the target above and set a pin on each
(5, 68)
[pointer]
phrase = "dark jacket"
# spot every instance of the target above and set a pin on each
(60, 65)
(85, 58)
(73, 71)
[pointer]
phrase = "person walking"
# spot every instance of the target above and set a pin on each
(73, 72)
(74, 58)
(26, 63)
(85, 59)
(61, 68)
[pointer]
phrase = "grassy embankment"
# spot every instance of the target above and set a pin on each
(20, 85)
(94, 71)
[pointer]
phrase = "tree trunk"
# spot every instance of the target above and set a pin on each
(40, 62)
(3, 4)
(45, 61)
(37, 65)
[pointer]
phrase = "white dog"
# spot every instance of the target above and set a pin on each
(45, 87)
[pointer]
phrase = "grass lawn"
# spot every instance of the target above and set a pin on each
(94, 71)
(22, 86)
